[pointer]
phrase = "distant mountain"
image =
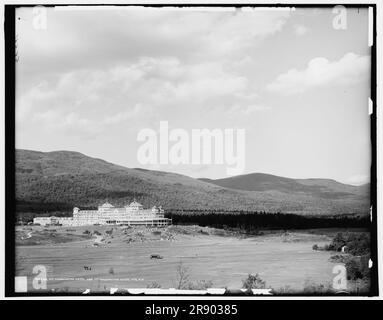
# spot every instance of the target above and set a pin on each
(60, 180)
(322, 188)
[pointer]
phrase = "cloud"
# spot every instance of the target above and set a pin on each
(245, 110)
(70, 124)
(300, 30)
(320, 72)
(79, 39)
(152, 89)
(359, 179)
(146, 65)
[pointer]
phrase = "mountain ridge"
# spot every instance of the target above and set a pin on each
(274, 175)
(74, 179)
(262, 182)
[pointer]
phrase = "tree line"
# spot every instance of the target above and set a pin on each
(252, 221)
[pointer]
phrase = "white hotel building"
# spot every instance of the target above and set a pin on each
(131, 215)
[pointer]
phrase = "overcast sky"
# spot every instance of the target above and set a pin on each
(299, 88)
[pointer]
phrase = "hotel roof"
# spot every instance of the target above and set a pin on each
(135, 204)
(107, 205)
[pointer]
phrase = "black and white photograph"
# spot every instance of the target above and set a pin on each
(198, 150)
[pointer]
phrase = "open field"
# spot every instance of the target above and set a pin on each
(118, 257)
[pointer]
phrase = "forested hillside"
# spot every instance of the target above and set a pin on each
(58, 181)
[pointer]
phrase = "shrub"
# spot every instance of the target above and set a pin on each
(63, 289)
(357, 268)
(338, 242)
(184, 283)
(253, 282)
(315, 247)
(310, 287)
(357, 243)
(153, 285)
(353, 270)
(199, 285)
(340, 258)
(286, 290)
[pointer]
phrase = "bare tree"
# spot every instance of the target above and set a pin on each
(182, 276)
